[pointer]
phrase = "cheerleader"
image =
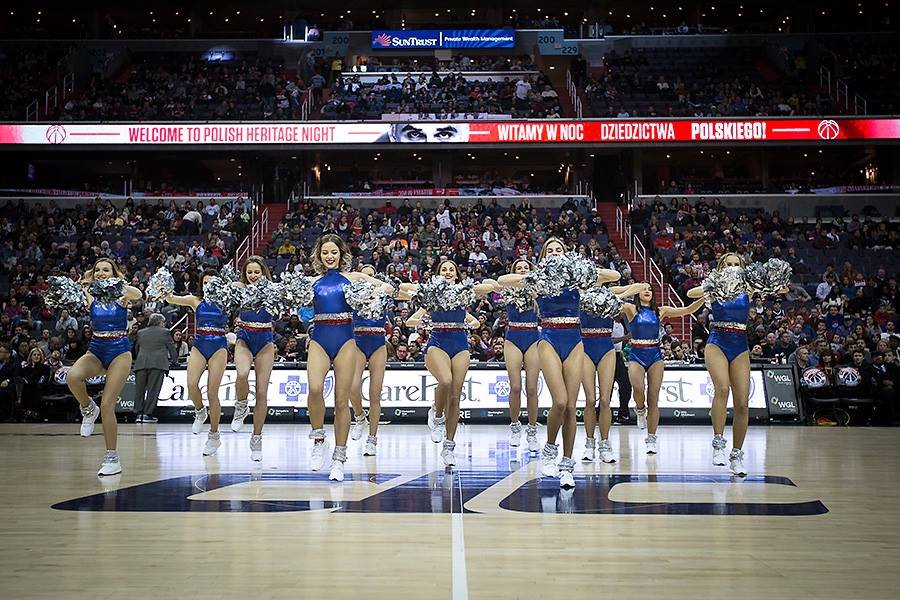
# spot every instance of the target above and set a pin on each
(331, 343)
(726, 355)
(560, 349)
(646, 366)
(447, 355)
(109, 353)
(521, 348)
(253, 348)
(210, 352)
(600, 363)
(372, 350)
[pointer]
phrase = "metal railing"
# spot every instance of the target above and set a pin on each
(252, 242)
(651, 271)
(573, 94)
(181, 325)
(306, 106)
(840, 93)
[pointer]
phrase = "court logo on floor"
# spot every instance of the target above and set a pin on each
(435, 492)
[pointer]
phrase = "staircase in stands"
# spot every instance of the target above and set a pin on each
(643, 267)
(266, 221)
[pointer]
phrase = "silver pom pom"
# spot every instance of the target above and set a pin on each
(228, 273)
(107, 291)
(369, 302)
(582, 272)
(768, 278)
(550, 277)
(439, 294)
(780, 273)
(64, 293)
(223, 293)
(263, 294)
(521, 298)
(725, 284)
(601, 302)
(296, 289)
(160, 285)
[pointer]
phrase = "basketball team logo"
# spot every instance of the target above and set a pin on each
(56, 134)
(849, 377)
(382, 40)
(828, 129)
(813, 378)
(329, 386)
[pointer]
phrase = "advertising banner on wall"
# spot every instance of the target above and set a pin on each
(682, 389)
(523, 132)
(436, 39)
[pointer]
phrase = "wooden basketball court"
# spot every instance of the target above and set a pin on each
(815, 519)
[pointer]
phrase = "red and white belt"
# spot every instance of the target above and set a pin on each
(729, 326)
(521, 325)
(644, 343)
(255, 326)
(109, 335)
(368, 330)
(561, 323)
(596, 332)
(210, 331)
(344, 318)
(448, 326)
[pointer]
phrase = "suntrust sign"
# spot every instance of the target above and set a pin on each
(432, 39)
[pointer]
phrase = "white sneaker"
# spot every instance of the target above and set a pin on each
(531, 438)
(320, 449)
(432, 415)
(566, 477)
(737, 463)
(213, 441)
(515, 434)
(89, 416)
(549, 468)
(256, 448)
(589, 450)
(719, 445)
(438, 429)
(652, 447)
(604, 448)
(337, 471)
(358, 428)
(371, 446)
(240, 413)
(110, 465)
(199, 419)
(642, 418)
(447, 453)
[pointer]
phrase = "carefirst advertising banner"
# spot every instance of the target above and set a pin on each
(436, 39)
(688, 391)
(611, 132)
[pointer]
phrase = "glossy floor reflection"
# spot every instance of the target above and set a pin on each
(492, 527)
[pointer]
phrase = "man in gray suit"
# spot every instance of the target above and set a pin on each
(155, 352)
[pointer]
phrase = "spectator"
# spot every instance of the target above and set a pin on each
(9, 370)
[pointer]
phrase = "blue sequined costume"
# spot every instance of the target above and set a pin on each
(728, 330)
(521, 327)
(645, 337)
(109, 339)
(448, 331)
(560, 323)
(597, 335)
(255, 329)
(369, 334)
(211, 322)
(333, 320)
